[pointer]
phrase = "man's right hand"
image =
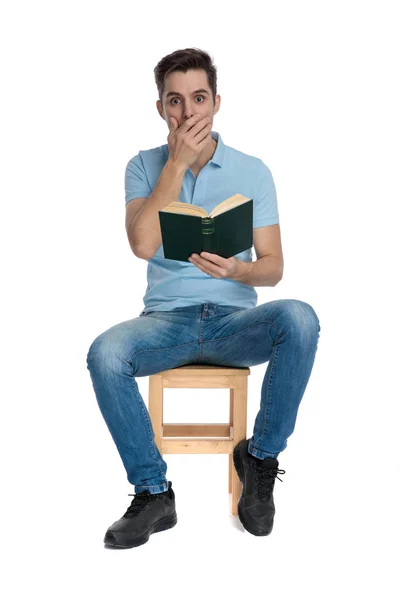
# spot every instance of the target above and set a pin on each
(187, 141)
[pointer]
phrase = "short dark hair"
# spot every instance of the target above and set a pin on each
(182, 60)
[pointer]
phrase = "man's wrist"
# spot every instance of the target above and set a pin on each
(246, 268)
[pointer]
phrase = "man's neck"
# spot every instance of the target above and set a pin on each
(204, 157)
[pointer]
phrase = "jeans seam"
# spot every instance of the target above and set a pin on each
(149, 428)
(158, 349)
(268, 402)
(243, 330)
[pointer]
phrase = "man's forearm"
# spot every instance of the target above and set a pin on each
(265, 271)
(145, 235)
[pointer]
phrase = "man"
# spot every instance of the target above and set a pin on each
(208, 294)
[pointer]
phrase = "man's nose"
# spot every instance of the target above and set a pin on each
(189, 111)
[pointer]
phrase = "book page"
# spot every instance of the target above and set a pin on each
(229, 203)
(191, 209)
(185, 209)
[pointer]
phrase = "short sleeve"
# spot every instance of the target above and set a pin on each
(136, 183)
(265, 204)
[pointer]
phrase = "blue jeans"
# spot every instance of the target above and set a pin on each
(283, 333)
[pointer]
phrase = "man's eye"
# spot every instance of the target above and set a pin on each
(178, 98)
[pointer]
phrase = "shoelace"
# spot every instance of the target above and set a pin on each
(265, 478)
(140, 500)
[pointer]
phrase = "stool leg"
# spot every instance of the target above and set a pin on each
(156, 408)
(239, 432)
(230, 456)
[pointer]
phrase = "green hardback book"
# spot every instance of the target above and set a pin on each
(226, 231)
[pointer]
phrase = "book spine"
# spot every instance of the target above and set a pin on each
(208, 231)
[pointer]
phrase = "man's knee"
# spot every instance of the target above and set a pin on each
(306, 316)
(301, 315)
(105, 352)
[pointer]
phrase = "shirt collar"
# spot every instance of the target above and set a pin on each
(218, 156)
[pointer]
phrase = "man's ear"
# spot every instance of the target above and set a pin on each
(217, 103)
(160, 109)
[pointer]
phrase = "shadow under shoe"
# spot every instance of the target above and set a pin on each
(147, 514)
(256, 508)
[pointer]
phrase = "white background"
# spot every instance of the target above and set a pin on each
(311, 88)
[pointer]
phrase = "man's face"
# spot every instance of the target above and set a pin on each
(184, 96)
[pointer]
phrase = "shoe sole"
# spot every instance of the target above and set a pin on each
(237, 461)
(252, 531)
(162, 525)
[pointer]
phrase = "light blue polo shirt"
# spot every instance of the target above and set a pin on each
(172, 283)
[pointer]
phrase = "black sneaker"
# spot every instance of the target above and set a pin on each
(147, 514)
(256, 507)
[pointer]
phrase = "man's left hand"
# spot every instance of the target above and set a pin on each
(231, 268)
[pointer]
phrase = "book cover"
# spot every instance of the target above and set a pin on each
(226, 234)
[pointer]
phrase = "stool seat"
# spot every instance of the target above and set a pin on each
(202, 438)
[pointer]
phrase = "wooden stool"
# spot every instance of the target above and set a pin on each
(202, 438)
